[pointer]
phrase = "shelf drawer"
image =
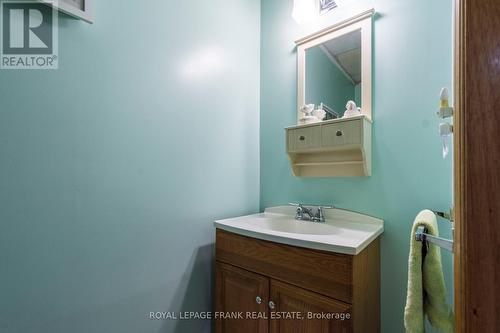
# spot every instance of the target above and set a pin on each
(306, 138)
(342, 133)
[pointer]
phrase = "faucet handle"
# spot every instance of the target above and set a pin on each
(320, 217)
(300, 207)
(299, 212)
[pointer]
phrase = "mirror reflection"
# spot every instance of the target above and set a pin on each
(333, 74)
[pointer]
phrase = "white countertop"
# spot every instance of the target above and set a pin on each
(343, 232)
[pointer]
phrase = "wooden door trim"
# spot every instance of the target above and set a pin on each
(477, 156)
(459, 164)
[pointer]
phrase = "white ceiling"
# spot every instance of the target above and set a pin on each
(345, 52)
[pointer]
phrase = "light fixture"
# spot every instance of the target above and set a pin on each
(304, 10)
(326, 6)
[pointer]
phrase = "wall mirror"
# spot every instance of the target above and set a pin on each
(335, 66)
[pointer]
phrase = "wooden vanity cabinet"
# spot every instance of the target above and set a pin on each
(276, 281)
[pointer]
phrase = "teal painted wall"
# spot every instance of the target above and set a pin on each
(114, 166)
(357, 94)
(325, 82)
(412, 61)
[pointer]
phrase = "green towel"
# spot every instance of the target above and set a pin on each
(426, 289)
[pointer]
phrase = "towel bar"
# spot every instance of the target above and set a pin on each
(445, 215)
(421, 235)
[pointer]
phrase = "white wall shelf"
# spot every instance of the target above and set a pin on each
(333, 148)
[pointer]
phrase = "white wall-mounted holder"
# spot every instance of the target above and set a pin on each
(81, 9)
(445, 129)
(445, 112)
(333, 148)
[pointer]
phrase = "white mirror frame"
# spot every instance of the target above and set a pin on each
(361, 22)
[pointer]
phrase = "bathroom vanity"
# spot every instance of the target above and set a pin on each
(285, 275)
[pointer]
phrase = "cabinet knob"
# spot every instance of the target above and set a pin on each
(302, 138)
(339, 133)
(258, 300)
(271, 305)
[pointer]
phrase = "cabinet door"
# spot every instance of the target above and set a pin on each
(239, 292)
(289, 301)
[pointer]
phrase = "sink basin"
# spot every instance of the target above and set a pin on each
(285, 224)
(343, 232)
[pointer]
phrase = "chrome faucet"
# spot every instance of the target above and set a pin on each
(306, 214)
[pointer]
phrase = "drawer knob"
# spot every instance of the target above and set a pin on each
(271, 305)
(339, 133)
(258, 300)
(302, 138)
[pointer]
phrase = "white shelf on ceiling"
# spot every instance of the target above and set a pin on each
(81, 9)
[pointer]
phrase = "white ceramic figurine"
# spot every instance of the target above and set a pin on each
(307, 114)
(351, 110)
(307, 110)
(319, 113)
